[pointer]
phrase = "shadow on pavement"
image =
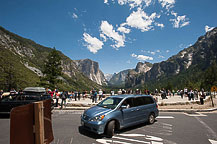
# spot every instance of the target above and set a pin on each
(90, 134)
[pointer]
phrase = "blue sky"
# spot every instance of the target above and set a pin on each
(116, 33)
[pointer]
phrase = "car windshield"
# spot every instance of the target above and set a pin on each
(110, 102)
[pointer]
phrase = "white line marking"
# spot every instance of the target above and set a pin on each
(132, 135)
(212, 141)
(165, 117)
(166, 124)
(195, 115)
(153, 142)
(131, 140)
(104, 141)
(71, 140)
(153, 138)
(148, 137)
(210, 131)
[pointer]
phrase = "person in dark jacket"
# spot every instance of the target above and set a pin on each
(63, 97)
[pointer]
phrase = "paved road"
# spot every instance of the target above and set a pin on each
(170, 128)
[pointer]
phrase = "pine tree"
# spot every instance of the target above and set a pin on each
(210, 77)
(52, 70)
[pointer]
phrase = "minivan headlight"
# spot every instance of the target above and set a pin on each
(98, 118)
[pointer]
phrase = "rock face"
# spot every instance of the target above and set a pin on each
(28, 57)
(120, 78)
(108, 76)
(143, 67)
(91, 69)
(198, 56)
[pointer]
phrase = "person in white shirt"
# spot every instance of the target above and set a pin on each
(100, 94)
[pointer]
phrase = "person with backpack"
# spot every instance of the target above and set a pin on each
(64, 95)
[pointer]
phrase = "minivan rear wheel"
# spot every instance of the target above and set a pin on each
(110, 129)
(151, 118)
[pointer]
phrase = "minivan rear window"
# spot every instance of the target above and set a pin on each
(110, 102)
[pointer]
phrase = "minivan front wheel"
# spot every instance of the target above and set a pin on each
(110, 129)
(151, 118)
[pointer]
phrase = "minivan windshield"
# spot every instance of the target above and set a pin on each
(110, 102)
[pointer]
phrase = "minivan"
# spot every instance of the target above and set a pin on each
(120, 111)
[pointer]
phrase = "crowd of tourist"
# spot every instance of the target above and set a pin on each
(97, 95)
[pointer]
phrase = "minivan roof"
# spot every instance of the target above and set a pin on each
(128, 96)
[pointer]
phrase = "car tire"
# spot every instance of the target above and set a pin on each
(151, 118)
(110, 129)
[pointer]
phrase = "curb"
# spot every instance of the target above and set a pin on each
(188, 110)
(161, 110)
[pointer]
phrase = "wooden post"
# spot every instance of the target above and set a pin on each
(39, 122)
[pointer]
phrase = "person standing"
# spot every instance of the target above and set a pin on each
(201, 97)
(173, 91)
(186, 92)
(79, 95)
(100, 94)
(64, 96)
(76, 94)
(95, 96)
(57, 98)
(181, 93)
(1, 93)
(112, 92)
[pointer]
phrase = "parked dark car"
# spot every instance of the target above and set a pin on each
(117, 112)
(29, 95)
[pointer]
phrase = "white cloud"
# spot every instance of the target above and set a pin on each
(141, 57)
(160, 56)
(104, 37)
(135, 3)
(158, 51)
(159, 25)
(180, 21)
(123, 29)
(106, 1)
(167, 3)
(167, 51)
(207, 28)
(107, 30)
(140, 20)
(174, 13)
(92, 43)
(74, 16)
(151, 52)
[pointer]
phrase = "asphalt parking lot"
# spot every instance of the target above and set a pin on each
(170, 128)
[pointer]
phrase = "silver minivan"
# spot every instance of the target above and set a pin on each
(117, 112)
